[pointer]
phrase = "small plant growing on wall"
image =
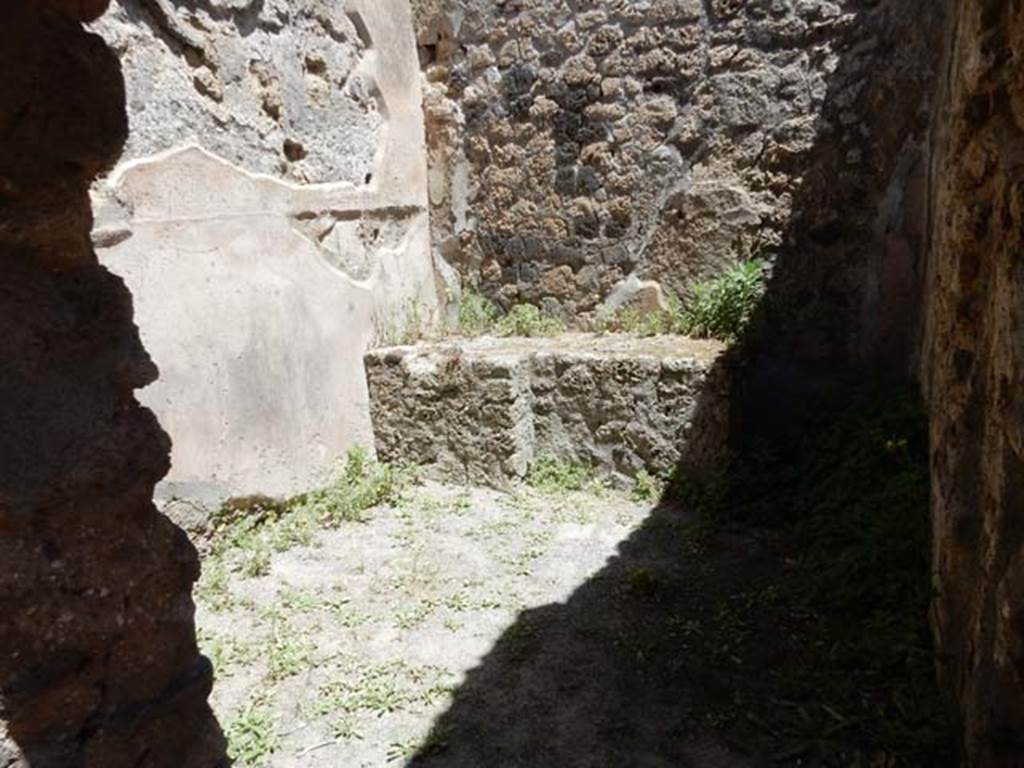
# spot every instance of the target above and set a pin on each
(722, 307)
(478, 315)
(528, 320)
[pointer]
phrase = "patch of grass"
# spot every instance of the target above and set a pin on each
(226, 653)
(635, 321)
(461, 504)
(478, 315)
(401, 750)
(287, 657)
(246, 532)
(414, 616)
(380, 690)
(296, 529)
(298, 601)
(343, 729)
(646, 487)
(436, 742)
(721, 308)
(550, 474)
(407, 326)
(535, 546)
(361, 485)
(213, 588)
(528, 320)
(457, 602)
(256, 559)
(718, 308)
(344, 616)
(252, 738)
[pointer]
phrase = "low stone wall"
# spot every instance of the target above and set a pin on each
(484, 410)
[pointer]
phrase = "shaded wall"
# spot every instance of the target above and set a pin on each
(98, 659)
(974, 378)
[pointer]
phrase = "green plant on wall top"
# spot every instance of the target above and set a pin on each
(718, 308)
(722, 307)
(528, 320)
(479, 316)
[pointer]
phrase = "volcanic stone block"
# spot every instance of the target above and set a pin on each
(483, 410)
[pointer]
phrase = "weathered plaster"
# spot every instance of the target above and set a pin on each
(257, 295)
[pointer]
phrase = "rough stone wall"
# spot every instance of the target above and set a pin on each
(270, 218)
(572, 144)
(274, 87)
(974, 379)
(98, 660)
(483, 411)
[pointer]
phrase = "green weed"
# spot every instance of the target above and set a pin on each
(213, 588)
(722, 307)
(646, 487)
(361, 485)
(251, 736)
(246, 532)
(629, 320)
(549, 474)
(379, 690)
(408, 327)
(528, 320)
(226, 652)
(478, 315)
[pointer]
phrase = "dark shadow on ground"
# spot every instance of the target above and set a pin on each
(618, 675)
(704, 642)
(773, 616)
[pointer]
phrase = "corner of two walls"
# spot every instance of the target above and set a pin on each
(883, 180)
(573, 148)
(270, 219)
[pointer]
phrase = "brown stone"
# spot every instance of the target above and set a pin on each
(974, 380)
(558, 282)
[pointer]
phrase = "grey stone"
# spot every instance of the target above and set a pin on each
(249, 78)
(483, 410)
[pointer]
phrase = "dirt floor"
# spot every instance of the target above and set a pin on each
(563, 625)
(443, 626)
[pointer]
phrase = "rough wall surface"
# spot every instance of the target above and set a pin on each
(974, 377)
(575, 143)
(98, 660)
(275, 87)
(271, 221)
(483, 411)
